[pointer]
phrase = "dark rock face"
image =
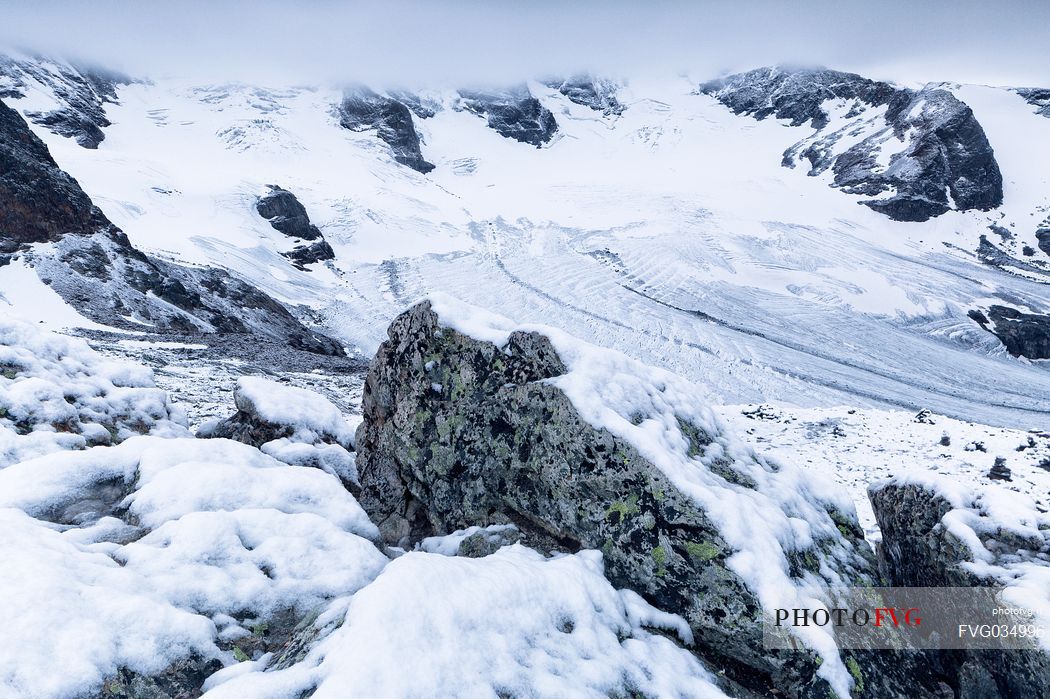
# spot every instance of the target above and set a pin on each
(363, 110)
(792, 94)
(41, 203)
(1042, 235)
(938, 147)
(83, 93)
(421, 108)
(1037, 97)
(1023, 334)
(94, 267)
(303, 255)
(513, 113)
(460, 432)
(598, 94)
(287, 215)
(918, 550)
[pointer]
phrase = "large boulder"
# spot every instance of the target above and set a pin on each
(937, 533)
(469, 421)
(291, 424)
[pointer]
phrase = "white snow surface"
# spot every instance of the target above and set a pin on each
(218, 529)
(313, 416)
(854, 447)
(513, 623)
(57, 393)
(670, 231)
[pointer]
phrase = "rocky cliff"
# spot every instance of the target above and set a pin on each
(363, 110)
(910, 149)
(94, 267)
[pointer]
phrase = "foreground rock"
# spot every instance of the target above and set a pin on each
(934, 145)
(469, 421)
(291, 424)
(939, 534)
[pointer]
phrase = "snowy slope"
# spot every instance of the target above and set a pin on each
(670, 230)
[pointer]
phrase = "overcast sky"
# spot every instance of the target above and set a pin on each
(461, 41)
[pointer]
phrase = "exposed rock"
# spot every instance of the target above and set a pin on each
(795, 94)
(1000, 471)
(513, 113)
(459, 431)
(303, 255)
(80, 94)
(1037, 97)
(422, 108)
(182, 680)
(1042, 235)
(41, 203)
(924, 417)
(596, 93)
(286, 214)
(95, 268)
(291, 424)
(268, 410)
(363, 110)
(921, 524)
(1023, 334)
(935, 145)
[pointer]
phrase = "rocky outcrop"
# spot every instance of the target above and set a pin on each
(1023, 334)
(460, 431)
(1042, 235)
(287, 215)
(1037, 97)
(795, 94)
(512, 113)
(932, 533)
(80, 95)
(291, 424)
(597, 93)
(364, 110)
(916, 148)
(41, 203)
(94, 267)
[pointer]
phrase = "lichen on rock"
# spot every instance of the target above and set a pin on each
(469, 420)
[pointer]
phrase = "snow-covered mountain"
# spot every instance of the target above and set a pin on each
(670, 217)
(823, 313)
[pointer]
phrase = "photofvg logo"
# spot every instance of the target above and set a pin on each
(916, 618)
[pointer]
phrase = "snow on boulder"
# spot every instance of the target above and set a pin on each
(937, 532)
(58, 393)
(291, 424)
(470, 420)
(153, 564)
(513, 624)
